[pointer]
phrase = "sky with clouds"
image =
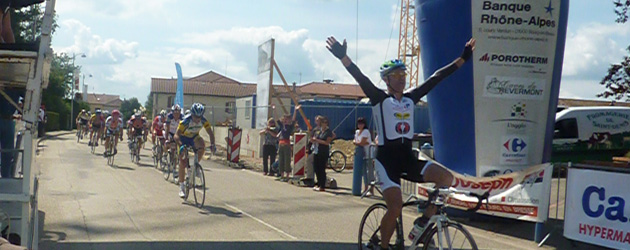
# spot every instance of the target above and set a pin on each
(126, 42)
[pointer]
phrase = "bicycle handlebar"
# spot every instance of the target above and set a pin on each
(448, 191)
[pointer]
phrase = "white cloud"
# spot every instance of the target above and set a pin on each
(251, 35)
(372, 53)
(580, 89)
(590, 50)
(97, 49)
(120, 9)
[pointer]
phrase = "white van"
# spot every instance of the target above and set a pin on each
(591, 133)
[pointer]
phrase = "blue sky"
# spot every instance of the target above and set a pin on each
(127, 42)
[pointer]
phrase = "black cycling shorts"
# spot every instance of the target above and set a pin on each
(395, 162)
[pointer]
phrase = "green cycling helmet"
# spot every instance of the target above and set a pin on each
(390, 66)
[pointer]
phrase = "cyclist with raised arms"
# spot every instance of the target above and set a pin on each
(188, 134)
(114, 125)
(96, 123)
(394, 114)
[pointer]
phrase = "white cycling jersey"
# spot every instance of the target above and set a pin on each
(173, 123)
(111, 124)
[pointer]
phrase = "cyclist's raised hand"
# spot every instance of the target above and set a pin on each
(468, 49)
(337, 49)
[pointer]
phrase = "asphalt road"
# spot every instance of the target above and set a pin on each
(86, 204)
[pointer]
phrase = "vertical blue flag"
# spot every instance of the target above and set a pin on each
(179, 95)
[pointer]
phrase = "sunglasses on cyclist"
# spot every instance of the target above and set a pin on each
(401, 74)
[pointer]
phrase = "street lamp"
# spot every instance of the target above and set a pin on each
(74, 55)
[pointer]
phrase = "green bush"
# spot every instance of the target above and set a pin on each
(53, 121)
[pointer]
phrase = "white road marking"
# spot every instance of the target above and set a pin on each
(262, 222)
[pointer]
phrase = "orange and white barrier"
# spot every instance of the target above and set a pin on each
(299, 154)
(234, 144)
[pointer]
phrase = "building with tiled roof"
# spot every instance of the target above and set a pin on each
(219, 93)
(103, 101)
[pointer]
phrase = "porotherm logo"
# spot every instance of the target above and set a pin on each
(514, 59)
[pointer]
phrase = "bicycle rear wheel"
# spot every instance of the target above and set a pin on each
(199, 186)
(337, 161)
(370, 228)
(453, 237)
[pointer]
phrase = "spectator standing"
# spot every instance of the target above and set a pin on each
(284, 148)
(309, 180)
(270, 146)
(362, 140)
(41, 118)
(323, 140)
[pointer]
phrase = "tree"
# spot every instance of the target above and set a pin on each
(27, 23)
(55, 97)
(621, 9)
(617, 81)
(128, 106)
(149, 105)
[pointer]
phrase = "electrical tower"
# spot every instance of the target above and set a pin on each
(408, 46)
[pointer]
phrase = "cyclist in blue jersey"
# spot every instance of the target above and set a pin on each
(393, 111)
(188, 134)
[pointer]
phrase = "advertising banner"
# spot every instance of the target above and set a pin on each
(522, 195)
(501, 103)
(513, 69)
(77, 80)
(595, 209)
(265, 78)
(179, 94)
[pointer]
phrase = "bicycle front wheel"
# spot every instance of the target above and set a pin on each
(337, 161)
(370, 228)
(199, 186)
(453, 237)
(168, 167)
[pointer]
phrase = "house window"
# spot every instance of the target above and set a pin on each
(230, 107)
(248, 109)
(566, 129)
(170, 100)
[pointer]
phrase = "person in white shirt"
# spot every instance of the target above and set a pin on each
(362, 141)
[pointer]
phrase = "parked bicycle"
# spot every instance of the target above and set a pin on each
(441, 233)
(195, 178)
(336, 160)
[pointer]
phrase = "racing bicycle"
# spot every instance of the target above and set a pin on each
(195, 178)
(134, 148)
(94, 141)
(172, 163)
(158, 157)
(109, 150)
(441, 232)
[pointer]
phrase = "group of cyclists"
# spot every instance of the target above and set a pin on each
(173, 130)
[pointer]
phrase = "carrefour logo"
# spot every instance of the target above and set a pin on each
(514, 150)
(524, 59)
(515, 145)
